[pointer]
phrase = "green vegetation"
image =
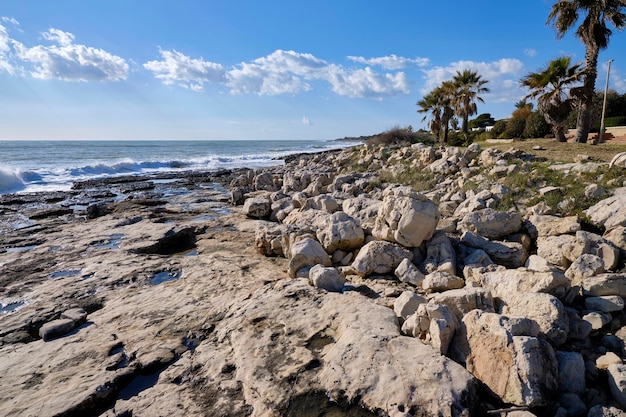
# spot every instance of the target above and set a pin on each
(456, 97)
(594, 33)
(551, 86)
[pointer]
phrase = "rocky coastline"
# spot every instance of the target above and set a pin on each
(323, 286)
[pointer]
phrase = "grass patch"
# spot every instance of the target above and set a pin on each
(560, 152)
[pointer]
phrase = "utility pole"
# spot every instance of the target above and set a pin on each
(606, 89)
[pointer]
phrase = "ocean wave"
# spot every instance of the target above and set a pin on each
(14, 180)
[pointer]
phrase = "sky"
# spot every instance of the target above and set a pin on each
(273, 69)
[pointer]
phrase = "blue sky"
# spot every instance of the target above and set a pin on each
(275, 69)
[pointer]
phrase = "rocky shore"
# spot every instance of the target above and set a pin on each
(325, 286)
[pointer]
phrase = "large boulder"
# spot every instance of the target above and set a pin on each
(509, 254)
(544, 309)
(379, 257)
(405, 217)
(464, 300)
(341, 232)
(363, 209)
(440, 255)
(258, 207)
(306, 252)
(610, 212)
(547, 225)
(491, 224)
(505, 281)
(502, 352)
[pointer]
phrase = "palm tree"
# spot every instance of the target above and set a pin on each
(437, 105)
(468, 85)
(429, 106)
(594, 33)
(550, 86)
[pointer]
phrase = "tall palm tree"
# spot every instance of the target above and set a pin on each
(551, 86)
(436, 105)
(429, 106)
(594, 33)
(469, 84)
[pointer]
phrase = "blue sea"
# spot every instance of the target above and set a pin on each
(30, 166)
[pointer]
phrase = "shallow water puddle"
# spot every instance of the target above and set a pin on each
(64, 273)
(113, 242)
(6, 308)
(165, 276)
(20, 249)
(188, 252)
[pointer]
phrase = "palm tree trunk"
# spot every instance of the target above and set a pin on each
(591, 73)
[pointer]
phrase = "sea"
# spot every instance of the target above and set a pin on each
(32, 166)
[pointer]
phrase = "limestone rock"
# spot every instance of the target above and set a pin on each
(407, 303)
(405, 217)
(409, 273)
(257, 207)
(509, 254)
(571, 372)
(56, 328)
(268, 239)
(605, 284)
(379, 257)
(610, 212)
(464, 300)
(619, 160)
(502, 282)
(584, 266)
(607, 359)
(521, 370)
(553, 249)
(442, 281)
(606, 411)
(307, 252)
(554, 226)
(617, 382)
(440, 255)
(77, 315)
(605, 304)
(617, 236)
(341, 233)
(325, 278)
(264, 181)
(491, 224)
(545, 309)
(363, 209)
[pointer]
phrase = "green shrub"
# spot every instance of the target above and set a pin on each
(514, 128)
(536, 126)
(498, 128)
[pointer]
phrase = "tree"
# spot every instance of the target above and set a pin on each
(437, 105)
(482, 120)
(594, 33)
(536, 126)
(469, 84)
(550, 87)
(429, 106)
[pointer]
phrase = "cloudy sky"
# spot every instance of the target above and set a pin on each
(275, 69)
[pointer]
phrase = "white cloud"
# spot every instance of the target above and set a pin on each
(59, 36)
(391, 62)
(71, 62)
(281, 72)
(616, 80)
(177, 68)
(530, 52)
(367, 83)
(11, 20)
(5, 48)
(306, 121)
(503, 77)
